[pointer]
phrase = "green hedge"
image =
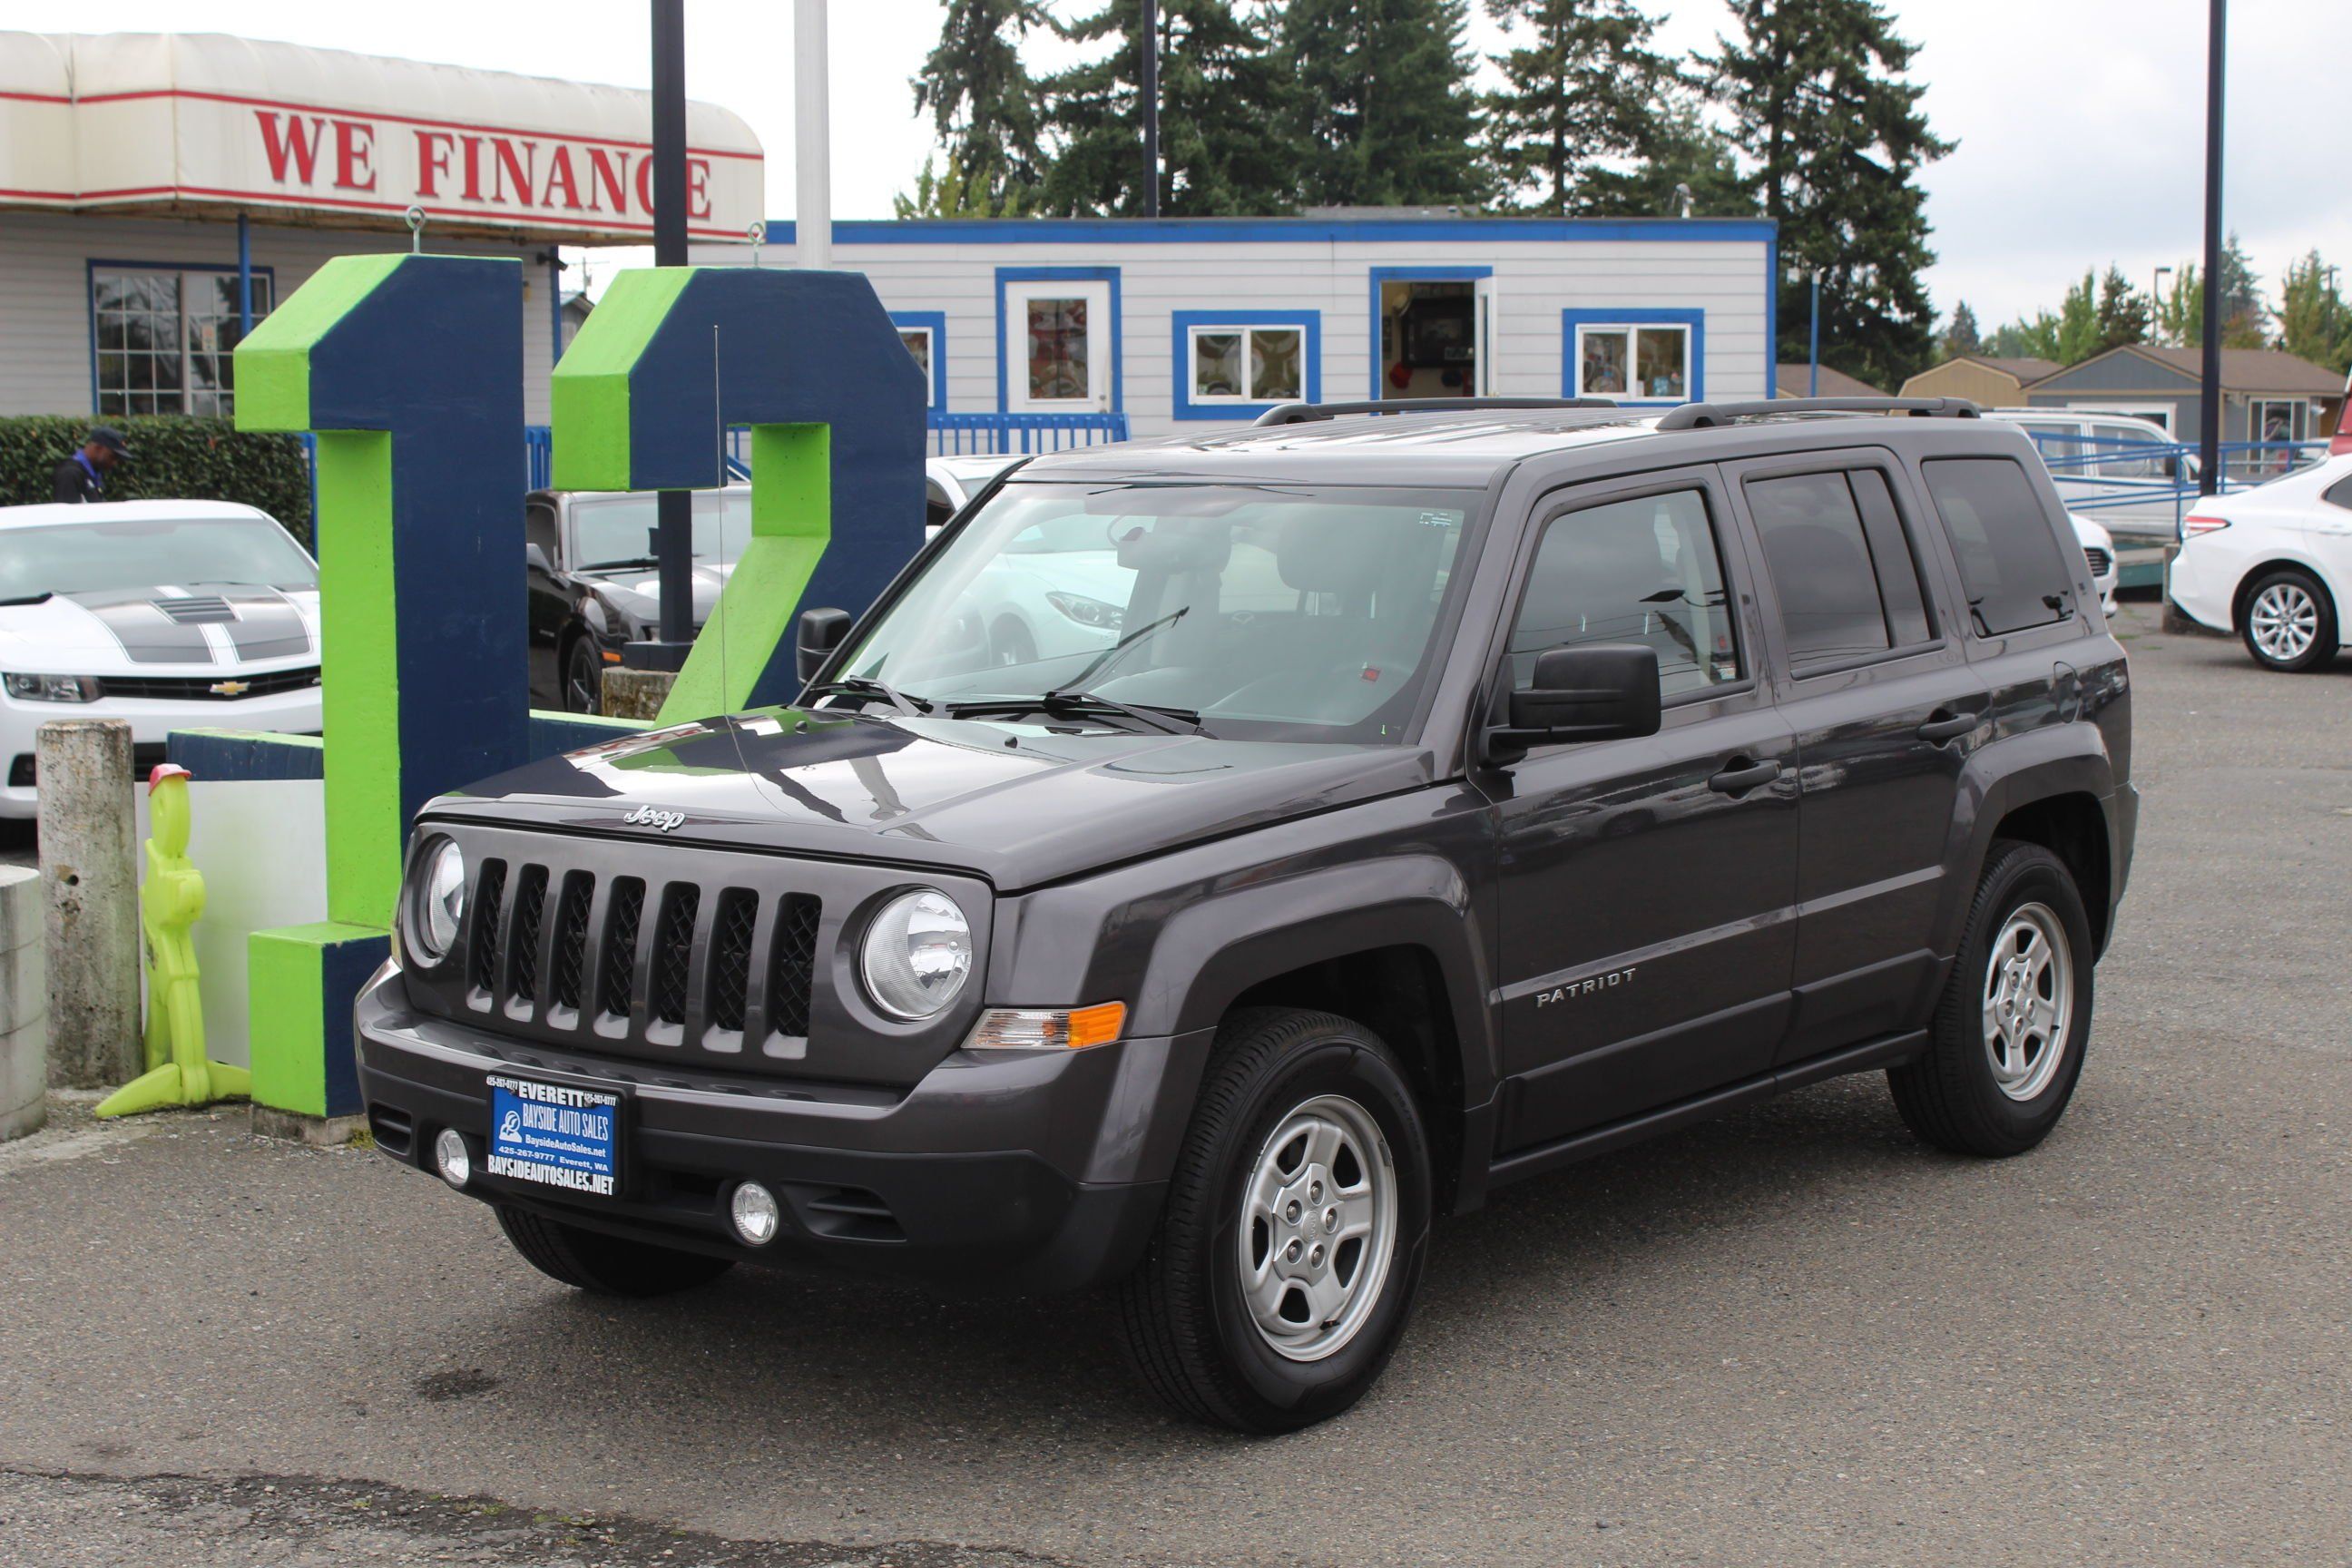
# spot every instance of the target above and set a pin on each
(174, 457)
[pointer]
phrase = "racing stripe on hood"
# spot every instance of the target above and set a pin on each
(266, 624)
(148, 636)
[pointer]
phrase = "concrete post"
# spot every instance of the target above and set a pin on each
(23, 1005)
(635, 693)
(91, 879)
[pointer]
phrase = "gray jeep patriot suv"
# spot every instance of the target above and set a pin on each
(1214, 858)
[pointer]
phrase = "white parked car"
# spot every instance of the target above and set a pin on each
(2099, 550)
(949, 482)
(2133, 469)
(170, 613)
(2272, 564)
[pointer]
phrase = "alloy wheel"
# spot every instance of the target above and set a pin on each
(2283, 620)
(1319, 1227)
(2029, 1001)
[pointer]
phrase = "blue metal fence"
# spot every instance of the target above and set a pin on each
(952, 434)
(2148, 487)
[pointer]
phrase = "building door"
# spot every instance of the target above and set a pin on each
(1057, 347)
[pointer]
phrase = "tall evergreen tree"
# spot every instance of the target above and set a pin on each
(1962, 337)
(1220, 85)
(1581, 84)
(1816, 99)
(1383, 113)
(2314, 321)
(2124, 312)
(2180, 317)
(982, 105)
(1685, 155)
(2078, 323)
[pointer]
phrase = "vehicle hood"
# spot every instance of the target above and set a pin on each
(638, 589)
(1018, 802)
(182, 626)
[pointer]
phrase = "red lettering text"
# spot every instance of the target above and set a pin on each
(561, 187)
(697, 188)
(432, 160)
(519, 167)
(610, 175)
(355, 155)
(282, 145)
(473, 145)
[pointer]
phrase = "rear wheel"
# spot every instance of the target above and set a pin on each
(584, 675)
(1009, 643)
(1285, 1263)
(605, 1264)
(2006, 1044)
(2289, 622)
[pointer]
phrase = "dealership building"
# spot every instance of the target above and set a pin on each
(161, 192)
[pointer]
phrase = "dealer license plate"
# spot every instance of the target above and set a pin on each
(556, 1135)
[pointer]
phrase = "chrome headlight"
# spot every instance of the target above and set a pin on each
(436, 901)
(917, 955)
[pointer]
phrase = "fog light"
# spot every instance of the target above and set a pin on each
(755, 1212)
(452, 1158)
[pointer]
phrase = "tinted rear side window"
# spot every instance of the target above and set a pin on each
(2339, 494)
(1847, 581)
(2008, 553)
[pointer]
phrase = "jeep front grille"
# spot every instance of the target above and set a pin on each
(711, 968)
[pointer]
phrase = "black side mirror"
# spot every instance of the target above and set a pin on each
(820, 632)
(1605, 692)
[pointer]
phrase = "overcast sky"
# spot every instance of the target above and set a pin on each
(2079, 121)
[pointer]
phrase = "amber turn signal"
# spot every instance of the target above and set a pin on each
(1047, 1029)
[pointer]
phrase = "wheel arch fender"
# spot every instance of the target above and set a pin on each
(2053, 762)
(2298, 558)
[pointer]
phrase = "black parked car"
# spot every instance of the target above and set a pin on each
(1464, 794)
(593, 583)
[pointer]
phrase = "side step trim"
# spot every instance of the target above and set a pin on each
(1614, 1135)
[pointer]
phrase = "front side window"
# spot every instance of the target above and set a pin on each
(2007, 551)
(1273, 612)
(1247, 364)
(1847, 581)
(1644, 571)
(1651, 361)
(164, 339)
(98, 557)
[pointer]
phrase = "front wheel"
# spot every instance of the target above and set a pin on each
(1285, 1266)
(584, 675)
(2290, 621)
(2007, 1043)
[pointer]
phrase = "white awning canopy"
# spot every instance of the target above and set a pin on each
(205, 125)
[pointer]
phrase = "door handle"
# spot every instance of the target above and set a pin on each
(1945, 725)
(1742, 775)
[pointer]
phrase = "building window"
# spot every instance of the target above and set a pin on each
(925, 333)
(164, 337)
(1236, 364)
(1248, 364)
(1636, 356)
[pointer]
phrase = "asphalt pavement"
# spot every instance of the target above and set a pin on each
(1792, 1336)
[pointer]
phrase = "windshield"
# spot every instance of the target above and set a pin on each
(1273, 612)
(618, 529)
(89, 557)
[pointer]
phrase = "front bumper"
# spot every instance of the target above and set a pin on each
(1019, 1173)
(152, 721)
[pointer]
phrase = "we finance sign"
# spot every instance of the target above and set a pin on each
(530, 180)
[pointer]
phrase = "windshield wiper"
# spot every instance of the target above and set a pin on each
(869, 687)
(1067, 699)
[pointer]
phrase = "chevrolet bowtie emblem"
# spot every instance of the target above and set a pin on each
(231, 688)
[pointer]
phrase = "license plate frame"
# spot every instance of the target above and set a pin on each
(545, 1133)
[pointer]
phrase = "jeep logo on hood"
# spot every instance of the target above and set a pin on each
(653, 816)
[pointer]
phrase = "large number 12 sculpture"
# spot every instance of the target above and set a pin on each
(409, 370)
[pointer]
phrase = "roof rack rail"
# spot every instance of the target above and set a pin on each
(1307, 412)
(1707, 415)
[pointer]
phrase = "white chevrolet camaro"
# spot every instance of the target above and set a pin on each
(172, 615)
(2272, 564)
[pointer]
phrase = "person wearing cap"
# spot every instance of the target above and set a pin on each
(82, 477)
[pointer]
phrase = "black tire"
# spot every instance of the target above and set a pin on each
(1009, 643)
(1188, 1328)
(1951, 1096)
(583, 678)
(2290, 580)
(605, 1264)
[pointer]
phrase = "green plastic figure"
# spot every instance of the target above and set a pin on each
(170, 902)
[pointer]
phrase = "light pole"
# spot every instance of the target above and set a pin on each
(2155, 294)
(1813, 326)
(2209, 420)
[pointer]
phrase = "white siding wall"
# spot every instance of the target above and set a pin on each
(44, 329)
(1533, 282)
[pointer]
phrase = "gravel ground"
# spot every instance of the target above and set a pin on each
(1790, 1336)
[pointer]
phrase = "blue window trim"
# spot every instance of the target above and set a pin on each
(1184, 323)
(93, 266)
(1109, 275)
(936, 323)
(1695, 320)
(1485, 231)
(1381, 275)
